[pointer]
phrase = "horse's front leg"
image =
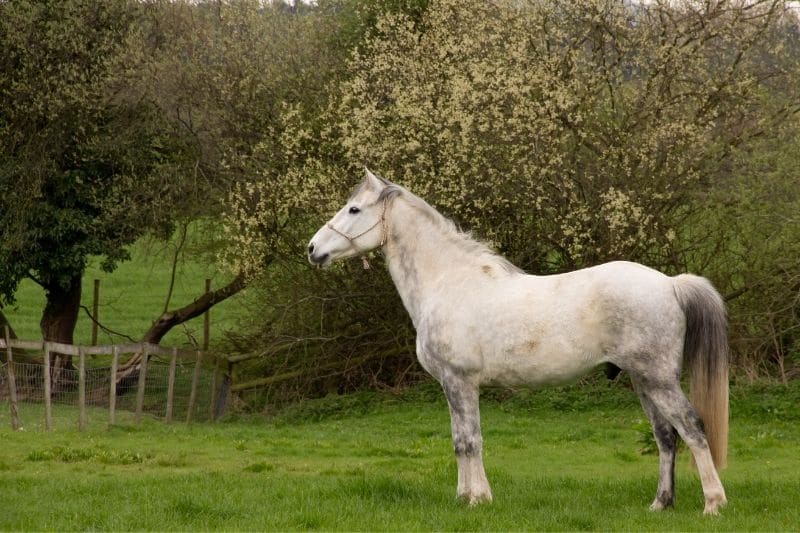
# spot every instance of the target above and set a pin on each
(462, 397)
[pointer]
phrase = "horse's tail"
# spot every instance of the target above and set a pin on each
(705, 353)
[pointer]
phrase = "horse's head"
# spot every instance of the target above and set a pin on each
(358, 227)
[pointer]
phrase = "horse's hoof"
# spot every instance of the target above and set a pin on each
(480, 499)
(659, 504)
(711, 511)
(714, 504)
(476, 499)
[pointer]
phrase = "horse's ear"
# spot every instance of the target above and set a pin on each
(387, 190)
(372, 181)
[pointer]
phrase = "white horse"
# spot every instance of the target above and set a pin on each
(480, 320)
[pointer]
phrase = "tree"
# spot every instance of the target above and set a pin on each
(86, 166)
(226, 73)
(757, 216)
(566, 133)
(152, 111)
(125, 118)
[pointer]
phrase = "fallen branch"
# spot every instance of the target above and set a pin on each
(344, 365)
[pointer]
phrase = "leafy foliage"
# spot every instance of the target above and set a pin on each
(758, 212)
(85, 166)
(567, 134)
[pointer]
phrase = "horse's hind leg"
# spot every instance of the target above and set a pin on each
(666, 439)
(671, 403)
(462, 397)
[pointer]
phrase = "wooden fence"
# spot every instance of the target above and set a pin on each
(220, 382)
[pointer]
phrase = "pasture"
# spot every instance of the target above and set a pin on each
(558, 459)
(125, 307)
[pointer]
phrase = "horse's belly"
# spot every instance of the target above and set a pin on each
(539, 363)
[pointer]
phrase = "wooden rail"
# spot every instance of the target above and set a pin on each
(73, 349)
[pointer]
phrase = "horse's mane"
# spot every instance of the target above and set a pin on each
(452, 233)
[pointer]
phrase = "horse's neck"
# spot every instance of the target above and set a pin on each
(422, 257)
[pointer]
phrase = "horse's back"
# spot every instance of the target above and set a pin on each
(618, 285)
(546, 329)
(626, 298)
(634, 312)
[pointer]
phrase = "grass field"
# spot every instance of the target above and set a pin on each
(560, 459)
(133, 296)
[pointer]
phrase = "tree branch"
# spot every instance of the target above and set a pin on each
(105, 328)
(170, 319)
(35, 279)
(184, 231)
(735, 294)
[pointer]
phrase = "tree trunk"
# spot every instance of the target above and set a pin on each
(11, 334)
(4, 322)
(59, 318)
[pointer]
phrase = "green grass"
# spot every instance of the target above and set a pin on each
(132, 297)
(562, 459)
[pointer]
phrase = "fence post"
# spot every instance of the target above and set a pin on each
(142, 376)
(48, 413)
(171, 385)
(112, 393)
(222, 394)
(193, 392)
(81, 389)
(95, 308)
(214, 377)
(12, 384)
(207, 320)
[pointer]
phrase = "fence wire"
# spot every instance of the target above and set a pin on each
(29, 381)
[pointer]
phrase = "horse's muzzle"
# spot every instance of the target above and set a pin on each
(317, 259)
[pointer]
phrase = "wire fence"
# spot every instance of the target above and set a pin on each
(161, 383)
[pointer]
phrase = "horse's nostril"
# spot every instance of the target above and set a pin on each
(311, 248)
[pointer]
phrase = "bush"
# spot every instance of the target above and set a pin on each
(566, 134)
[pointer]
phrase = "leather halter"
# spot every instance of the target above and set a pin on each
(352, 238)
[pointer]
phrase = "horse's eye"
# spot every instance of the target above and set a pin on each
(354, 210)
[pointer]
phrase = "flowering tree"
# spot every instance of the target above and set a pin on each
(568, 133)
